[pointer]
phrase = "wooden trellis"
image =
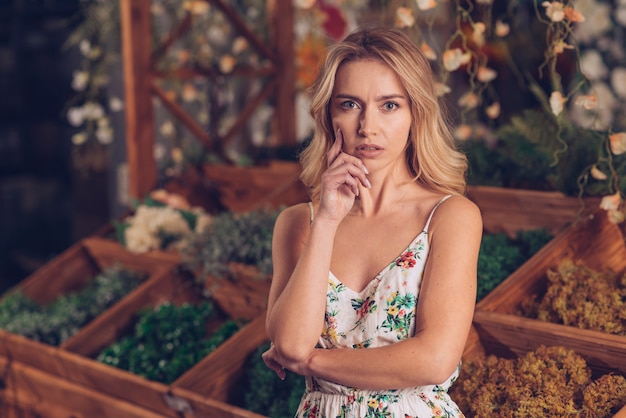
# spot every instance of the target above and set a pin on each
(140, 76)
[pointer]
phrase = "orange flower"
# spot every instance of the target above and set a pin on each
(587, 102)
(502, 29)
(573, 15)
(309, 53)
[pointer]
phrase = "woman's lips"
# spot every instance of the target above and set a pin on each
(368, 150)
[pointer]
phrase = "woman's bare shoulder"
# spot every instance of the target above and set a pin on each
(458, 211)
(294, 221)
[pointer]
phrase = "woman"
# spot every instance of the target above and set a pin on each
(374, 281)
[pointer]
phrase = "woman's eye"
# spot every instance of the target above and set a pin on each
(348, 104)
(390, 106)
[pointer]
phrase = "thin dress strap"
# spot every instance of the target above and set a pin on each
(432, 212)
(312, 214)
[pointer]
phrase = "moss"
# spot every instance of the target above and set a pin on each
(549, 381)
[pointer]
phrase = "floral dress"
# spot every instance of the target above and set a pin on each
(382, 313)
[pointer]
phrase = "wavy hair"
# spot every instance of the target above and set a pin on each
(431, 152)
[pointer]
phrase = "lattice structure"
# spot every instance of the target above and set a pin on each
(141, 77)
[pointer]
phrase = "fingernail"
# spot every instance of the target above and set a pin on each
(368, 184)
(365, 169)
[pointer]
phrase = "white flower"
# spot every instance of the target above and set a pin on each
(227, 63)
(404, 17)
(616, 216)
(167, 129)
(148, 223)
(426, 4)
(442, 89)
(203, 221)
(556, 102)
(618, 81)
(116, 104)
(588, 102)
(429, 53)
(454, 58)
(478, 34)
(240, 44)
(597, 174)
(486, 74)
(597, 20)
(85, 47)
(611, 202)
(140, 240)
(79, 138)
(502, 29)
(554, 10)
(93, 110)
(80, 80)
(469, 100)
(618, 143)
(493, 111)
(76, 116)
(104, 132)
(592, 65)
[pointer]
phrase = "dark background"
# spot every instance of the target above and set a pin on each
(45, 205)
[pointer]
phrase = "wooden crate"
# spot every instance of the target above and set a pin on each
(594, 241)
(511, 210)
(247, 188)
(476, 345)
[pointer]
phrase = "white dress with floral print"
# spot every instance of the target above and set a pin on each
(382, 313)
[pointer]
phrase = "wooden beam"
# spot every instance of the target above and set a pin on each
(281, 18)
(140, 131)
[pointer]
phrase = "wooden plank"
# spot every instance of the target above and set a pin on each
(511, 210)
(43, 395)
(195, 405)
(135, 22)
(215, 375)
(596, 242)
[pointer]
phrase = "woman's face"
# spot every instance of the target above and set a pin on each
(371, 108)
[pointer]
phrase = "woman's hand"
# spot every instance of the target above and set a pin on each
(340, 182)
(279, 364)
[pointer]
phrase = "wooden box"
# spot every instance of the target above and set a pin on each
(511, 210)
(476, 346)
(31, 368)
(597, 243)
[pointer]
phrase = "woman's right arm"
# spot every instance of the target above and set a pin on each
(301, 258)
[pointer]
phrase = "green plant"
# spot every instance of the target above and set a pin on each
(501, 255)
(167, 341)
(265, 393)
(233, 237)
(58, 321)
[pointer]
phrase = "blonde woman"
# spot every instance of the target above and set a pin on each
(374, 280)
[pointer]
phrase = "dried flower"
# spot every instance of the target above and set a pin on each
(486, 74)
(469, 100)
(573, 15)
(428, 51)
(554, 10)
(556, 102)
(426, 4)
(404, 17)
(618, 143)
(478, 34)
(597, 174)
(441, 89)
(454, 58)
(611, 202)
(502, 29)
(493, 110)
(588, 102)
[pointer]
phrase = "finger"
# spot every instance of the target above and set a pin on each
(353, 166)
(335, 149)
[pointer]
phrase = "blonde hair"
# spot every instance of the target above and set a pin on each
(431, 152)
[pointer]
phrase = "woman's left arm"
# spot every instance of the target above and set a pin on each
(444, 315)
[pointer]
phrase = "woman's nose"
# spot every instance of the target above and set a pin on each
(367, 123)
